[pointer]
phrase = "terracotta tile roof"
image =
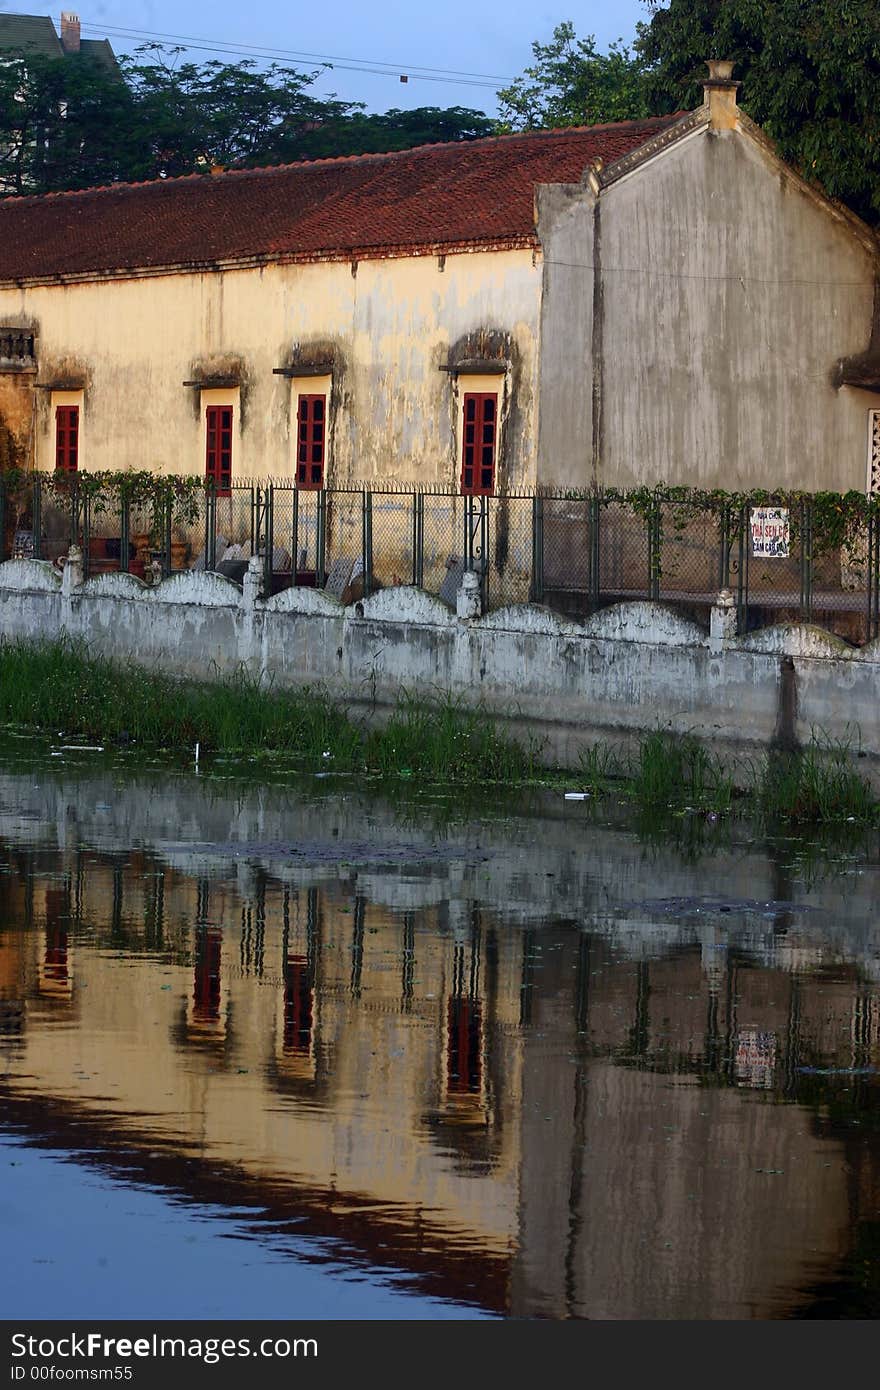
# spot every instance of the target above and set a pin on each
(470, 193)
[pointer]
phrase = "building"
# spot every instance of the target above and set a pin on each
(35, 33)
(30, 42)
(662, 300)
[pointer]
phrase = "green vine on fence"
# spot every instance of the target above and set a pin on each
(163, 495)
(838, 520)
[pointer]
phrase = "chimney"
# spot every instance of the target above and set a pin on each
(719, 94)
(69, 31)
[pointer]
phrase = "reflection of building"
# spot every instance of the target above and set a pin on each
(567, 1127)
(465, 1101)
(56, 966)
(207, 986)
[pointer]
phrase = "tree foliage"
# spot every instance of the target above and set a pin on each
(572, 83)
(75, 123)
(810, 71)
(62, 123)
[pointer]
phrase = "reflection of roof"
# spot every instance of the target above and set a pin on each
(35, 33)
(463, 195)
(398, 1238)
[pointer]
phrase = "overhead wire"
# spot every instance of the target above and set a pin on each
(412, 72)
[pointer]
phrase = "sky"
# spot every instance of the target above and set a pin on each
(493, 41)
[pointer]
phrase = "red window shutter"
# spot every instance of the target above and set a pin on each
(311, 441)
(479, 443)
(67, 438)
(218, 454)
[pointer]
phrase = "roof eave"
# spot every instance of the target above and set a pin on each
(345, 256)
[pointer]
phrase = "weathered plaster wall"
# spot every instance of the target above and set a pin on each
(630, 668)
(727, 294)
(387, 325)
(16, 415)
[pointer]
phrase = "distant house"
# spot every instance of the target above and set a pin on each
(35, 33)
(662, 300)
(26, 41)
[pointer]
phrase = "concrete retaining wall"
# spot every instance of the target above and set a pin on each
(630, 668)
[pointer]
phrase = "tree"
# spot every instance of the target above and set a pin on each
(572, 83)
(62, 124)
(810, 71)
(193, 115)
(362, 133)
(76, 123)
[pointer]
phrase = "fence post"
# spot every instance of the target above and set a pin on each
(269, 522)
(367, 541)
(595, 553)
(294, 538)
(873, 575)
(321, 539)
(124, 532)
(869, 578)
(2, 518)
(74, 511)
(537, 550)
(210, 527)
(37, 515)
(166, 537)
(742, 577)
(724, 546)
(418, 540)
(654, 543)
(86, 514)
(806, 559)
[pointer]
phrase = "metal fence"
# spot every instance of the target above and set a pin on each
(575, 554)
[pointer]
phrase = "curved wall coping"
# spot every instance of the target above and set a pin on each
(312, 602)
(795, 639)
(114, 586)
(198, 587)
(39, 575)
(644, 621)
(403, 604)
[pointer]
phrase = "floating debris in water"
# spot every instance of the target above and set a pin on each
(839, 1071)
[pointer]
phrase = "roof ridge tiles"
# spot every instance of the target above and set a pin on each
(369, 157)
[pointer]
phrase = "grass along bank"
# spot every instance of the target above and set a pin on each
(59, 688)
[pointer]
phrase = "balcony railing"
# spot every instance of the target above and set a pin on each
(16, 347)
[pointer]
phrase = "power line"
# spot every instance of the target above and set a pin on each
(414, 72)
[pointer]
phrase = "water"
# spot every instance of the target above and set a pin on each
(276, 1049)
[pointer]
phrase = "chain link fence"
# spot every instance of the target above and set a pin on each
(574, 554)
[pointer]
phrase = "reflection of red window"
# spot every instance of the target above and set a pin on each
(478, 448)
(297, 1005)
(206, 988)
(463, 1060)
(311, 438)
(67, 438)
(218, 457)
(56, 960)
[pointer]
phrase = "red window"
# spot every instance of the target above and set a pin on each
(480, 437)
(218, 457)
(311, 439)
(66, 438)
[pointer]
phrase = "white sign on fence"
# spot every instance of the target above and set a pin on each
(770, 535)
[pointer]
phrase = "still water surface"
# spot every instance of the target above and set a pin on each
(289, 1050)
